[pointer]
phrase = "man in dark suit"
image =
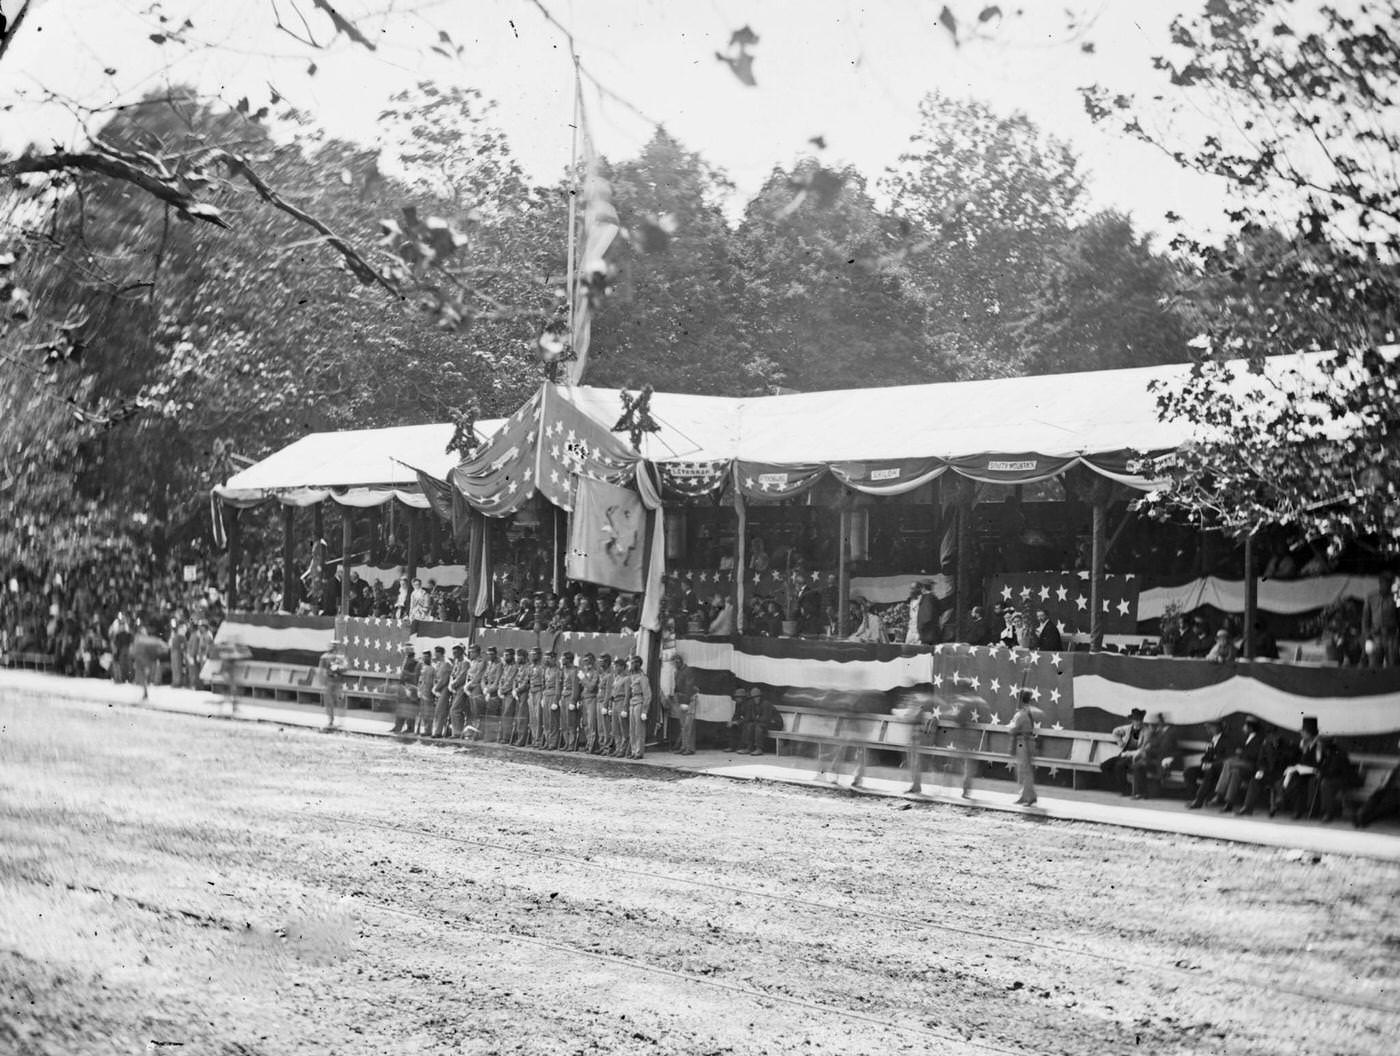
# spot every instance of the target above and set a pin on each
(1158, 743)
(1047, 635)
(1129, 737)
(927, 614)
(1380, 625)
(1240, 768)
(1202, 778)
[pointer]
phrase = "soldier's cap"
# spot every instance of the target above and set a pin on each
(606, 657)
(739, 691)
(568, 656)
(508, 652)
(491, 649)
(754, 691)
(551, 653)
(408, 647)
(589, 656)
(634, 660)
(427, 654)
(439, 649)
(458, 648)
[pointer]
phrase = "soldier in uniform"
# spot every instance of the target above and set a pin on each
(549, 707)
(762, 718)
(522, 699)
(490, 690)
(602, 731)
(457, 686)
(474, 693)
(685, 698)
(588, 705)
(1023, 749)
(442, 693)
(638, 707)
(424, 723)
(406, 706)
(505, 689)
(535, 737)
(568, 704)
(617, 702)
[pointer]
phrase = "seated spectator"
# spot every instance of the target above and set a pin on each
(1129, 738)
(1296, 783)
(868, 627)
(724, 621)
(1223, 651)
(585, 615)
(1158, 743)
(1202, 777)
(1384, 802)
(1007, 635)
(1196, 639)
(1264, 643)
(978, 633)
(811, 611)
(769, 620)
(1241, 767)
(1275, 756)
(626, 615)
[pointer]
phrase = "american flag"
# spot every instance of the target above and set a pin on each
(997, 674)
(1065, 598)
(571, 443)
(374, 644)
(688, 480)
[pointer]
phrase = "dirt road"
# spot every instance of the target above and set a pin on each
(170, 884)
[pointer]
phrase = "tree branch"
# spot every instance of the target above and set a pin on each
(13, 30)
(117, 169)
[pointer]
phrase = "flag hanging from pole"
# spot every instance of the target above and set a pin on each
(600, 229)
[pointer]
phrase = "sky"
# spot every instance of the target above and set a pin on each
(851, 72)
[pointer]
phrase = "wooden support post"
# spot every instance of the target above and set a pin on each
(741, 560)
(347, 540)
(1251, 597)
(561, 543)
(289, 562)
(235, 552)
(1100, 532)
(843, 575)
(962, 589)
(410, 565)
(318, 533)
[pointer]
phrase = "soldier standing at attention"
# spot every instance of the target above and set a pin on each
(602, 731)
(638, 707)
(457, 689)
(568, 704)
(549, 709)
(474, 695)
(505, 689)
(522, 699)
(406, 706)
(617, 701)
(424, 723)
(587, 704)
(490, 690)
(685, 699)
(442, 692)
(536, 733)
(1023, 749)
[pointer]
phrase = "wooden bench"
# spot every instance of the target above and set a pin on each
(1078, 751)
(262, 680)
(30, 661)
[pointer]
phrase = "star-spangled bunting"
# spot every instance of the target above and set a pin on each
(688, 480)
(1065, 598)
(996, 674)
(375, 644)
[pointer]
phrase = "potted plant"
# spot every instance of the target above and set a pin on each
(1172, 629)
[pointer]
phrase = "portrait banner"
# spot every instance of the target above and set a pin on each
(606, 544)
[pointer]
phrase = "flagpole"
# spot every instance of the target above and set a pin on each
(571, 280)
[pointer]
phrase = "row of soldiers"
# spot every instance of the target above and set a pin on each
(599, 705)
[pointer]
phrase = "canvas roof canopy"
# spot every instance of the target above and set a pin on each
(879, 440)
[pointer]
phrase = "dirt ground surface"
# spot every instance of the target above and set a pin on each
(183, 885)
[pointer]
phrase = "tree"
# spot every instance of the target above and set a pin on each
(1312, 263)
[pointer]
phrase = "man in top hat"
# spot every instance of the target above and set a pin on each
(1298, 777)
(406, 704)
(442, 691)
(549, 708)
(331, 668)
(602, 733)
(588, 704)
(1129, 738)
(569, 689)
(1158, 744)
(423, 722)
(638, 707)
(505, 690)
(535, 736)
(617, 701)
(490, 688)
(923, 614)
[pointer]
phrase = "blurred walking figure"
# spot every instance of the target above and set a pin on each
(962, 712)
(331, 667)
(442, 691)
(406, 706)
(1023, 748)
(685, 699)
(145, 655)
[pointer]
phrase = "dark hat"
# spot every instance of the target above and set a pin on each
(1310, 724)
(490, 649)
(1251, 723)
(408, 647)
(1026, 697)
(459, 648)
(587, 656)
(550, 652)
(568, 656)
(637, 660)
(508, 651)
(440, 649)
(427, 654)
(740, 691)
(1137, 713)
(605, 657)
